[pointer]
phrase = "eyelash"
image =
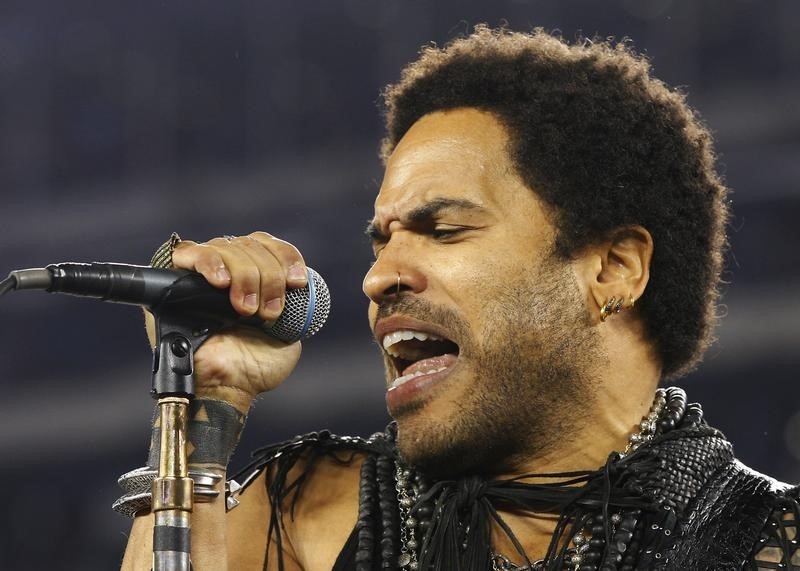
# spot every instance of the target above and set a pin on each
(436, 234)
(444, 234)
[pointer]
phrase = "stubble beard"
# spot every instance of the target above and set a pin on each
(531, 380)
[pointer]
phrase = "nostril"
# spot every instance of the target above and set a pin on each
(384, 281)
(391, 291)
(397, 288)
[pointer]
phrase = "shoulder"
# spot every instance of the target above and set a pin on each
(721, 506)
(742, 497)
(310, 486)
(741, 517)
(288, 467)
(320, 515)
(776, 546)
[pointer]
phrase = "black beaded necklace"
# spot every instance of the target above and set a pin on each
(438, 526)
(621, 516)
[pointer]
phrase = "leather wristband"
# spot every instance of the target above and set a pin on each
(212, 433)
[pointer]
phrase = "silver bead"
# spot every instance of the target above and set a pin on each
(412, 543)
(404, 559)
(616, 518)
(579, 539)
(411, 522)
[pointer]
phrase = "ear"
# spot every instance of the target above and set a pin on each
(619, 267)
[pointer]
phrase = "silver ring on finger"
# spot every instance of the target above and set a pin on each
(229, 238)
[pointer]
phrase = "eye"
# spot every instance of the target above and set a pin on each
(443, 232)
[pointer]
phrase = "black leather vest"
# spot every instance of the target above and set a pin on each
(709, 511)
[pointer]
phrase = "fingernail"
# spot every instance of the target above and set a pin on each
(223, 275)
(251, 301)
(297, 272)
(274, 305)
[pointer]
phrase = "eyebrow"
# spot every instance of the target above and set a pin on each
(424, 214)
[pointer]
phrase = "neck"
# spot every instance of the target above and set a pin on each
(624, 396)
(624, 389)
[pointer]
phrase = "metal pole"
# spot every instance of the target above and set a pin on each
(173, 386)
(172, 490)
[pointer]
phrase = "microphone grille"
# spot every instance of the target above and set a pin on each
(304, 312)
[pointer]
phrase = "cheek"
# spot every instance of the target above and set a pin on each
(469, 284)
(471, 269)
(475, 283)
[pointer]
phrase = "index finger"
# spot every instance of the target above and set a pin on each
(288, 256)
(203, 259)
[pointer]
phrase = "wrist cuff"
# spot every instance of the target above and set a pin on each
(213, 431)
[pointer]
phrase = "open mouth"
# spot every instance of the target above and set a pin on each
(415, 353)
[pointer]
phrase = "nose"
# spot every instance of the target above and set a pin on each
(394, 271)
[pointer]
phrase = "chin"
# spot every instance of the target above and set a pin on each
(444, 451)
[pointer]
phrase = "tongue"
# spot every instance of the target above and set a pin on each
(429, 364)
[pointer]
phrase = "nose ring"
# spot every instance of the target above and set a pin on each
(398, 284)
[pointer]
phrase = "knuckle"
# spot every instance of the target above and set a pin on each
(279, 247)
(183, 244)
(187, 254)
(207, 255)
(261, 235)
(288, 252)
(248, 242)
(211, 264)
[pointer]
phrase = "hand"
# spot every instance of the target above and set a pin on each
(237, 364)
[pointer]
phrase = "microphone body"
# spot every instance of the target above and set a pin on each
(181, 291)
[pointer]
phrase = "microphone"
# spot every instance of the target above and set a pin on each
(184, 292)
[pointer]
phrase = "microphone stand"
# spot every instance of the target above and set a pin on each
(170, 301)
(173, 387)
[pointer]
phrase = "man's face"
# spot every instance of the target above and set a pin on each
(484, 331)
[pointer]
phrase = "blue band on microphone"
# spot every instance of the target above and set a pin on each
(312, 303)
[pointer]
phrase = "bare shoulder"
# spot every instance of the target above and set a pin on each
(246, 528)
(318, 516)
(326, 510)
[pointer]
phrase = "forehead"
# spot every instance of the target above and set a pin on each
(459, 153)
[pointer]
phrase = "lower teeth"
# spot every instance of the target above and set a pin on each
(405, 378)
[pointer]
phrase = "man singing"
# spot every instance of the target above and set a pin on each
(548, 241)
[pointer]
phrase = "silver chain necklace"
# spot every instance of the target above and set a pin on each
(406, 497)
(408, 493)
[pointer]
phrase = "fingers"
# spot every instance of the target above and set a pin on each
(289, 256)
(257, 268)
(202, 258)
(246, 270)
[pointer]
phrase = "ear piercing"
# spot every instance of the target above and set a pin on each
(615, 305)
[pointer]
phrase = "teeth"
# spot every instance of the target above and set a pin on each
(405, 335)
(405, 378)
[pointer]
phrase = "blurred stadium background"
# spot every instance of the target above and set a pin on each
(123, 121)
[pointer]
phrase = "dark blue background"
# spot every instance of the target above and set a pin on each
(123, 121)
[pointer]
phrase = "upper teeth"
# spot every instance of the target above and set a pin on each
(405, 335)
